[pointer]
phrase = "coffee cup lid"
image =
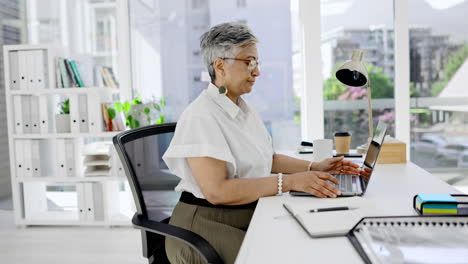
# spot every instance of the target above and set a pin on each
(342, 134)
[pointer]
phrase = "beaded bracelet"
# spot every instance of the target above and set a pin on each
(280, 183)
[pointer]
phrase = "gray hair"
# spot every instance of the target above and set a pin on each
(224, 41)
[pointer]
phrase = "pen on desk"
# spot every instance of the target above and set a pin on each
(341, 208)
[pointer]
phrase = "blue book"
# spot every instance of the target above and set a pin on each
(436, 198)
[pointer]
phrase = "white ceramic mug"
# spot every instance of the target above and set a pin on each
(323, 149)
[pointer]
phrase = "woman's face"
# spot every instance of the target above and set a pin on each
(238, 78)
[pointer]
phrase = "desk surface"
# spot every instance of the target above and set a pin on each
(273, 239)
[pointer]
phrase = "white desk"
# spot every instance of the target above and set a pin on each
(283, 240)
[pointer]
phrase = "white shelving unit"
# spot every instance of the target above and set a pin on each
(49, 186)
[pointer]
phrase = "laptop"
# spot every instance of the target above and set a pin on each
(356, 185)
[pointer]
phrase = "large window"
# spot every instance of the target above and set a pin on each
(439, 74)
(166, 57)
(367, 26)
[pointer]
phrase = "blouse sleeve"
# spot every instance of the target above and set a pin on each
(197, 136)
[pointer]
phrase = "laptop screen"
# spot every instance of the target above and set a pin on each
(373, 153)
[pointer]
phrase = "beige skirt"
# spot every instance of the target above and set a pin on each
(223, 228)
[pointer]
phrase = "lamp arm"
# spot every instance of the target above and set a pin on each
(369, 108)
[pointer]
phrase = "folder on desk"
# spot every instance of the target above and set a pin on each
(323, 224)
(411, 239)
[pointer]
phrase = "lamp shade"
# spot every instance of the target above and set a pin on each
(353, 72)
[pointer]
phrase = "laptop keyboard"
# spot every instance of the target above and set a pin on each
(346, 182)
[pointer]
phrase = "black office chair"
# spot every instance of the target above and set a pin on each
(140, 151)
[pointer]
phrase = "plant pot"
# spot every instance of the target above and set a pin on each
(62, 123)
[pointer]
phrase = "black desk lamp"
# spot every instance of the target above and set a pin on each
(353, 73)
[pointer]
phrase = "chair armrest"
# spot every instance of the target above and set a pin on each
(190, 238)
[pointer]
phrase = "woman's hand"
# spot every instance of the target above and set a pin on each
(365, 173)
(313, 182)
(337, 165)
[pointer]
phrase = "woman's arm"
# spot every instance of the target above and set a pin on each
(211, 176)
(287, 164)
(338, 165)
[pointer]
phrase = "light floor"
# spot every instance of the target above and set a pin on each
(41, 245)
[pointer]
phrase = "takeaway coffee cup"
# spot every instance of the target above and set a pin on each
(342, 142)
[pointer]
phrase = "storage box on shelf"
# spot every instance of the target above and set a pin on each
(48, 169)
(97, 159)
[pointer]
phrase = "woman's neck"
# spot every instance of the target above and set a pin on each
(234, 98)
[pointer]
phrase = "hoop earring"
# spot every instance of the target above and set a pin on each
(223, 90)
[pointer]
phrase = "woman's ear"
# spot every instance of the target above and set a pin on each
(218, 66)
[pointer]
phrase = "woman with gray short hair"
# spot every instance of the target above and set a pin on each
(224, 155)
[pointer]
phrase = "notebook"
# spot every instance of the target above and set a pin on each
(327, 224)
(411, 239)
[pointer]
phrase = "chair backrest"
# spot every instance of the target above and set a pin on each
(140, 151)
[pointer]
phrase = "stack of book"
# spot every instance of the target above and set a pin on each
(72, 73)
(97, 159)
(68, 73)
(436, 204)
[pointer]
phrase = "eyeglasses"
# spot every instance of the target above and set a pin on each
(252, 63)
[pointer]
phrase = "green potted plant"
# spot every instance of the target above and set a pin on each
(62, 120)
(139, 114)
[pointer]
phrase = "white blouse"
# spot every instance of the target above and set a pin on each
(213, 126)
